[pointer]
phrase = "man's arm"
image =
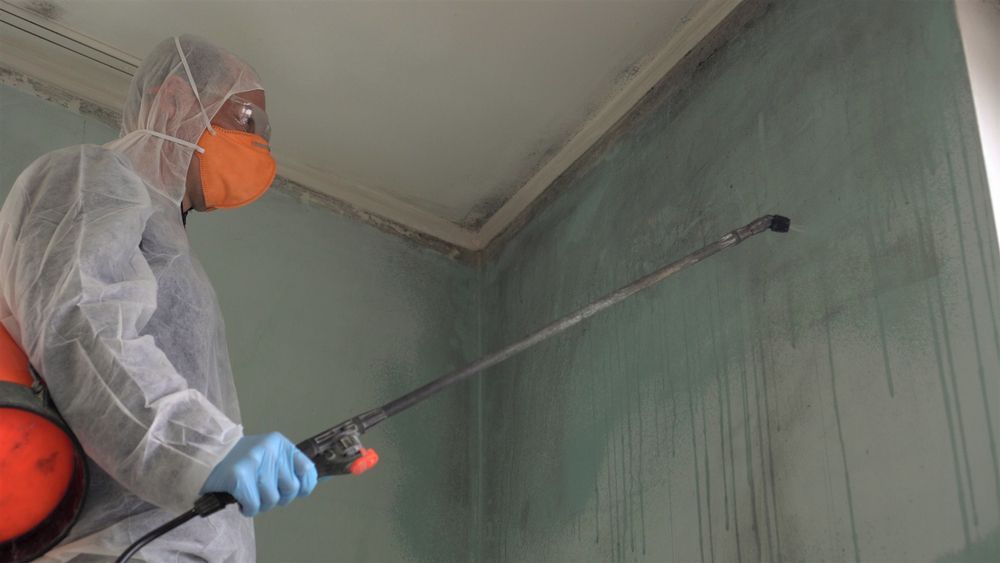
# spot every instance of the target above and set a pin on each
(82, 294)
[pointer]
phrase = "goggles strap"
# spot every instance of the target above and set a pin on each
(187, 69)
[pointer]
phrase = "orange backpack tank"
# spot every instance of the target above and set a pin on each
(43, 473)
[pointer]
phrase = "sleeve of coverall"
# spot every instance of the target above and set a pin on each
(84, 297)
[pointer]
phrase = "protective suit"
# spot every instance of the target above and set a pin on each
(99, 286)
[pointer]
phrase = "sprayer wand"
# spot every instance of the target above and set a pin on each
(339, 451)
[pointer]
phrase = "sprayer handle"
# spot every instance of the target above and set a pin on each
(212, 503)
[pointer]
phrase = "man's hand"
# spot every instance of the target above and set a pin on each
(261, 472)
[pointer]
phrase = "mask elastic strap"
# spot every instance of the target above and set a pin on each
(169, 138)
(187, 69)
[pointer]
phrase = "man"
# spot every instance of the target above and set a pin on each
(100, 288)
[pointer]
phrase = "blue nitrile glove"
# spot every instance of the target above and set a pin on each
(263, 471)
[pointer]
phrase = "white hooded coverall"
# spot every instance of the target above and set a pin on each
(99, 286)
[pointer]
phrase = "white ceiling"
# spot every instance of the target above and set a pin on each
(431, 114)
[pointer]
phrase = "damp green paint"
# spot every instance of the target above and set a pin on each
(830, 394)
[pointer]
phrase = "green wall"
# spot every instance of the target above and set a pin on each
(31, 127)
(828, 395)
(326, 318)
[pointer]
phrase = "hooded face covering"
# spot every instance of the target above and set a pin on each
(163, 124)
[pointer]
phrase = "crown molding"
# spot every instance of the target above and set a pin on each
(58, 56)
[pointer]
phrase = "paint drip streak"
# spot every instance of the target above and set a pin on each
(732, 462)
(993, 314)
(613, 530)
(625, 440)
(697, 478)
(625, 495)
(722, 412)
(749, 459)
(732, 473)
(951, 425)
(958, 403)
(694, 444)
(759, 367)
(827, 464)
(991, 242)
(627, 489)
(983, 182)
(670, 486)
(617, 460)
(843, 448)
(661, 381)
(972, 312)
(925, 247)
(770, 459)
(639, 464)
(597, 490)
(673, 420)
(674, 357)
(880, 318)
(708, 481)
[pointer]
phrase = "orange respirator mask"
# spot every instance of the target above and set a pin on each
(236, 167)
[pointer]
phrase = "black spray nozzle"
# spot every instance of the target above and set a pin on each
(780, 223)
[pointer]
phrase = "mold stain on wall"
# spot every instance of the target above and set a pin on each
(829, 395)
(826, 395)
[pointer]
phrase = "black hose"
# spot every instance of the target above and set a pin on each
(135, 547)
(204, 506)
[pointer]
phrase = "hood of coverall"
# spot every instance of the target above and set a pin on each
(160, 99)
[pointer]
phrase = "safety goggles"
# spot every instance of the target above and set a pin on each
(243, 115)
